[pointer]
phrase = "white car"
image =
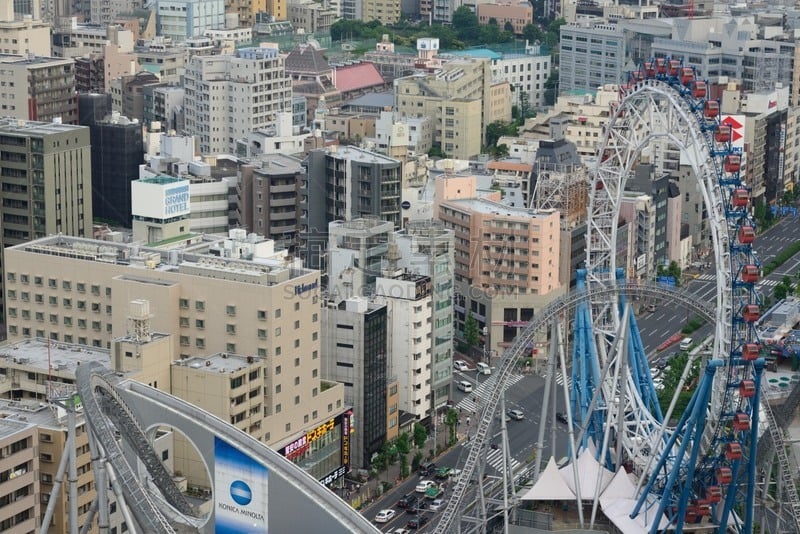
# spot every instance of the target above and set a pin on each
(435, 505)
(423, 486)
(384, 516)
(460, 365)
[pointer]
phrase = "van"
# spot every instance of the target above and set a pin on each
(465, 386)
(686, 343)
(483, 368)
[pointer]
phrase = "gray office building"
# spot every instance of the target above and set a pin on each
(592, 54)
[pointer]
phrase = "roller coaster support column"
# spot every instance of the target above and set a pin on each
(72, 477)
(101, 485)
(550, 373)
(54, 493)
(752, 474)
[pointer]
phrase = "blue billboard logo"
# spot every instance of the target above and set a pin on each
(241, 493)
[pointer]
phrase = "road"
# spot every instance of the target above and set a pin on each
(668, 319)
(527, 395)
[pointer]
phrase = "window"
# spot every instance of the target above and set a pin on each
(278, 313)
(184, 304)
(184, 321)
(297, 325)
(277, 408)
(297, 364)
(39, 316)
(230, 310)
(81, 287)
(67, 303)
(296, 400)
(11, 277)
(53, 283)
(37, 280)
(278, 388)
(278, 331)
(66, 285)
(297, 381)
(200, 343)
(230, 347)
(52, 300)
(184, 341)
(262, 315)
(81, 323)
(297, 343)
(199, 324)
(262, 333)
(95, 290)
(296, 306)
(230, 328)
(200, 306)
(278, 370)
(96, 326)
(277, 351)
(314, 318)
(96, 307)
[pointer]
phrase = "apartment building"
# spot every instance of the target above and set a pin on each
(23, 35)
(163, 59)
(104, 12)
(385, 11)
(506, 263)
(268, 194)
(127, 93)
(355, 254)
(478, 102)
(227, 97)
(427, 248)
(592, 54)
(355, 353)
(345, 184)
(19, 484)
(312, 17)
(180, 20)
(164, 104)
(38, 88)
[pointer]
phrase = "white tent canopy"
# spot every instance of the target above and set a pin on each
(589, 471)
(550, 486)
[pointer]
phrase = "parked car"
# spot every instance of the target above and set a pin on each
(460, 365)
(517, 415)
(436, 505)
(427, 469)
(384, 516)
(417, 522)
(562, 418)
(423, 486)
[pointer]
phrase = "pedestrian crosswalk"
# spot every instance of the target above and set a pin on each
(560, 379)
(713, 277)
(494, 458)
(473, 401)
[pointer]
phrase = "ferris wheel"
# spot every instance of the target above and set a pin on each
(703, 469)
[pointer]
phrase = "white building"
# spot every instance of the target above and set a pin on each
(409, 303)
(23, 34)
(395, 137)
(279, 139)
(227, 97)
(183, 19)
(356, 251)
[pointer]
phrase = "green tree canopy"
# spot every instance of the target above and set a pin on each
(420, 435)
(471, 334)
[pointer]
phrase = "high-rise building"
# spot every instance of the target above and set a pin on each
(355, 254)
(580, 44)
(46, 178)
(345, 184)
(355, 353)
(426, 248)
(39, 88)
(117, 152)
(183, 19)
(227, 97)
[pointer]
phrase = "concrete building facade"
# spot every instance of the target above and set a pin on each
(592, 54)
(180, 20)
(38, 88)
(21, 35)
(227, 97)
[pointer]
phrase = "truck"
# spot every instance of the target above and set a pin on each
(433, 492)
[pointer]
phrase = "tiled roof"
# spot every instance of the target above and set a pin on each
(306, 59)
(358, 76)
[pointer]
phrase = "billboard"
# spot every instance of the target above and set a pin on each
(240, 491)
(737, 124)
(160, 198)
(297, 449)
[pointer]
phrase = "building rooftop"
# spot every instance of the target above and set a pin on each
(359, 154)
(481, 205)
(10, 427)
(476, 52)
(222, 362)
(241, 257)
(30, 412)
(359, 76)
(161, 180)
(15, 59)
(62, 358)
(376, 100)
(12, 125)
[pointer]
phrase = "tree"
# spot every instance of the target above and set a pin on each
(451, 420)
(508, 27)
(532, 33)
(551, 88)
(501, 150)
(497, 129)
(492, 21)
(471, 334)
(466, 24)
(403, 446)
(780, 292)
(420, 435)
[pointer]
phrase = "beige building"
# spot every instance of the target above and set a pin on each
(517, 14)
(229, 296)
(161, 58)
(19, 484)
(23, 35)
(462, 100)
(311, 17)
(506, 262)
(38, 88)
(385, 11)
